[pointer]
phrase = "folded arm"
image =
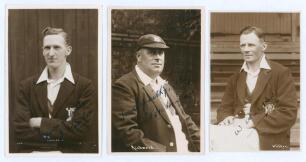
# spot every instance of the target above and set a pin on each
(40, 129)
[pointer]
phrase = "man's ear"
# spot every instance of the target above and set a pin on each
(264, 46)
(69, 50)
(138, 56)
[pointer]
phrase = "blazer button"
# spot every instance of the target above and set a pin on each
(169, 126)
(171, 144)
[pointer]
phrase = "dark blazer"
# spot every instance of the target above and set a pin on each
(56, 133)
(275, 86)
(139, 121)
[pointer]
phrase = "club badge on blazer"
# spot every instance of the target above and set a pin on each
(70, 111)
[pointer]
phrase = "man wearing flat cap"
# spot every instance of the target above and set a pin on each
(146, 113)
(55, 109)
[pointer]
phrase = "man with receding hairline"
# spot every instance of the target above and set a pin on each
(55, 108)
(261, 95)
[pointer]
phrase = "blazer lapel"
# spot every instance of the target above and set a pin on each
(174, 100)
(42, 97)
(155, 99)
(261, 83)
(64, 93)
(241, 86)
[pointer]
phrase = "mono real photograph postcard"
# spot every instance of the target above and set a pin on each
(156, 80)
(255, 81)
(53, 80)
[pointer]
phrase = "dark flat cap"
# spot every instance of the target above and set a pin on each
(151, 41)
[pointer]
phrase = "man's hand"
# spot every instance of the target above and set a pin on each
(250, 124)
(244, 123)
(35, 122)
(227, 121)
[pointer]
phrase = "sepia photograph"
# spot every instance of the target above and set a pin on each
(155, 80)
(255, 81)
(53, 80)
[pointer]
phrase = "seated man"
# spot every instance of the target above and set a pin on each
(146, 112)
(55, 109)
(262, 93)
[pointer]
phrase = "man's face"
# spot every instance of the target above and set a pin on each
(251, 47)
(151, 61)
(55, 51)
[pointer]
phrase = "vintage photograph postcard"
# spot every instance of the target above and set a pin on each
(52, 80)
(255, 81)
(155, 82)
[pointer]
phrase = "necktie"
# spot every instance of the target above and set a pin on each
(50, 108)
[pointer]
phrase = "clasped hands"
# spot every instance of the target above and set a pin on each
(244, 123)
(237, 123)
(233, 121)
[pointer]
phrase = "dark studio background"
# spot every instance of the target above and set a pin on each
(25, 48)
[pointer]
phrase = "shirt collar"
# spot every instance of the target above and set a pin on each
(68, 75)
(146, 79)
(263, 64)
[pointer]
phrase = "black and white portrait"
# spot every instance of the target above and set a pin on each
(155, 77)
(255, 81)
(53, 80)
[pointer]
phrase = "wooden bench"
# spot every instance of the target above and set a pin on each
(273, 47)
(272, 56)
(223, 76)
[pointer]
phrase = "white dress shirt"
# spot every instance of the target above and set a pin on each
(54, 85)
(252, 77)
(157, 85)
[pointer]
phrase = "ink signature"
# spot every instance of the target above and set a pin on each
(150, 115)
